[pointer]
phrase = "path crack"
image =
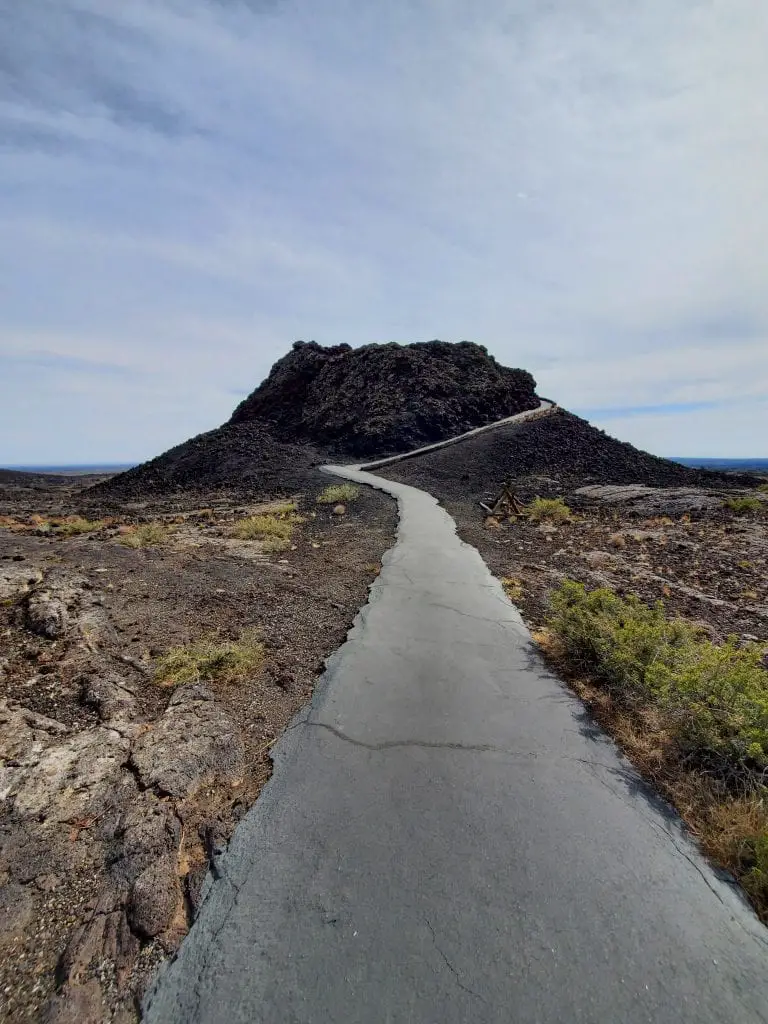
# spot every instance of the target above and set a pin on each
(449, 965)
(426, 744)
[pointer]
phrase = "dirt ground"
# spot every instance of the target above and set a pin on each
(683, 547)
(118, 791)
(641, 524)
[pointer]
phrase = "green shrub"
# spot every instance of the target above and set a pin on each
(717, 700)
(763, 487)
(742, 505)
(338, 493)
(714, 699)
(552, 509)
(210, 659)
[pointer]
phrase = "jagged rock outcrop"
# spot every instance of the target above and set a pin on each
(383, 398)
(318, 403)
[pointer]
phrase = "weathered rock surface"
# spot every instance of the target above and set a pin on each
(154, 898)
(194, 741)
(17, 907)
(47, 615)
(146, 831)
(66, 778)
(52, 604)
(111, 695)
(18, 579)
(76, 1004)
(640, 500)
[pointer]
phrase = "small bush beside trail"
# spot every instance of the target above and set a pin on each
(553, 510)
(713, 699)
(336, 494)
(691, 713)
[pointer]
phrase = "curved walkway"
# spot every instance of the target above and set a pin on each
(447, 838)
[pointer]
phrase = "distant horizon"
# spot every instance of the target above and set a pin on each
(692, 461)
(601, 418)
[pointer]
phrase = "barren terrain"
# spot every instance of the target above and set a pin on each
(122, 773)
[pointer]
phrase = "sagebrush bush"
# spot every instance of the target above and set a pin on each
(714, 699)
(210, 659)
(552, 509)
(717, 700)
(744, 504)
(615, 638)
(336, 493)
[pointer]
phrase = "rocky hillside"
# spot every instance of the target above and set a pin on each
(318, 403)
(558, 452)
(238, 457)
(385, 398)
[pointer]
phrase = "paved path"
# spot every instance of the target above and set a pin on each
(448, 839)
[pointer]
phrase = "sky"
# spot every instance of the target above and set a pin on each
(188, 186)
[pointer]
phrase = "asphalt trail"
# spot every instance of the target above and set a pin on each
(447, 838)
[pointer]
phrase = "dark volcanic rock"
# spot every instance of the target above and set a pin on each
(318, 401)
(385, 398)
(154, 898)
(565, 448)
(243, 457)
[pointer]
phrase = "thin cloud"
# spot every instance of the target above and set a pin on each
(54, 363)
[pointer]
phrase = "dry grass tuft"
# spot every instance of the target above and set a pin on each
(338, 493)
(72, 526)
(266, 526)
(273, 545)
(210, 659)
(513, 588)
(553, 510)
(147, 535)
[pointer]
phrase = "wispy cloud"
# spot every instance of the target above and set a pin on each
(185, 188)
(626, 412)
(54, 363)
